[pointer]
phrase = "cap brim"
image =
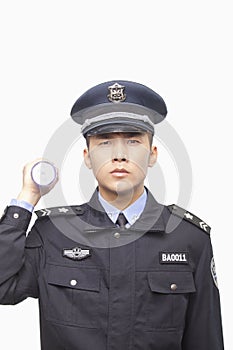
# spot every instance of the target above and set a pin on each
(118, 122)
(114, 128)
(81, 116)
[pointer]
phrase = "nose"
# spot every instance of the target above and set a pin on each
(120, 158)
(119, 153)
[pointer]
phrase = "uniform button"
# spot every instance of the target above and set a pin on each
(73, 283)
(15, 215)
(173, 286)
(117, 235)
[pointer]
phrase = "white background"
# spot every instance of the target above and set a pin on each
(52, 51)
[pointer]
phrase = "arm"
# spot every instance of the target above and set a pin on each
(17, 273)
(20, 256)
(203, 322)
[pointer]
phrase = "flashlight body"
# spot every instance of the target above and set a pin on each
(43, 173)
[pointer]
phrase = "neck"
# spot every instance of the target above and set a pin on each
(121, 200)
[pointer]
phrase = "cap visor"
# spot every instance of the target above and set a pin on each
(107, 129)
(88, 113)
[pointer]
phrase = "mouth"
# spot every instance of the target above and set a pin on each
(119, 172)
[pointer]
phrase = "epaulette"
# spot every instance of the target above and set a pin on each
(186, 215)
(56, 211)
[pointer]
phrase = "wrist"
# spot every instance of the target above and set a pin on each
(29, 197)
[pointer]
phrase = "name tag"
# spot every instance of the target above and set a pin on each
(173, 258)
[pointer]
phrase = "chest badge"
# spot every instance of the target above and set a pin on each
(76, 253)
(173, 258)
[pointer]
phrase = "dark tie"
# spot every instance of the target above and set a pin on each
(121, 220)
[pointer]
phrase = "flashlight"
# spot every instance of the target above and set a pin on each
(43, 173)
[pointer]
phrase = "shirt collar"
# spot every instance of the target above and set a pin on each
(131, 213)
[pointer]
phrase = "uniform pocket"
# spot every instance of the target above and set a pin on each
(168, 298)
(73, 295)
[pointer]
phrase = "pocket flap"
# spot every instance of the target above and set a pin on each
(171, 282)
(73, 277)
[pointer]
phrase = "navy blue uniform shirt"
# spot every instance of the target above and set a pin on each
(148, 287)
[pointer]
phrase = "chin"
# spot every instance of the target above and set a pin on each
(125, 188)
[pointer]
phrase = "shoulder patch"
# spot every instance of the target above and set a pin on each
(57, 211)
(186, 215)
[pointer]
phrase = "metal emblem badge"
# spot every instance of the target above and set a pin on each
(213, 272)
(116, 93)
(76, 253)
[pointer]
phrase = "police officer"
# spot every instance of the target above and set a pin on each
(108, 273)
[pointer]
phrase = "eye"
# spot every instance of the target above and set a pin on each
(132, 142)
(105, 143)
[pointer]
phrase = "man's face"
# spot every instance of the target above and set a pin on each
(120, 161)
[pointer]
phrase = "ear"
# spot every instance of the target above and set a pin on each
(153, 156)
(87, 159)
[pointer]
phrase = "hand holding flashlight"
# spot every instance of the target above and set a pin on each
(39, 178)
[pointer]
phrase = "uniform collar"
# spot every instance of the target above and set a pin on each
(151, 218)
(131, 213)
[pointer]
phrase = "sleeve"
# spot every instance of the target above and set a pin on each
(19, 257)
(203, 321)
(22, 204)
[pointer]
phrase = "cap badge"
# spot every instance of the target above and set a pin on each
(116, 93)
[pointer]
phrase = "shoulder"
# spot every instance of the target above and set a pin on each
(51, 220)
(60, 211)
(189, 217)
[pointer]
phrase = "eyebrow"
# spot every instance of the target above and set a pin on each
(123, 134)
